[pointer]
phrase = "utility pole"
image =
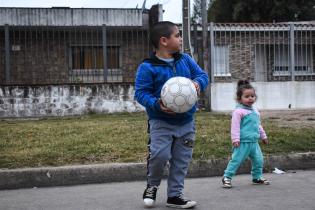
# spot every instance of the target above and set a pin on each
(186, 26)
(204, 23)
(205, 48)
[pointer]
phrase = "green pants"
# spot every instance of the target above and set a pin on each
(240, 154)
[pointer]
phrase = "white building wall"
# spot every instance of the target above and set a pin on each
(271, 95)
(66, 100)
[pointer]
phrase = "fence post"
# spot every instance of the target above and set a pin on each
(292, 64)
(104, 41)
(7, 53)
(195, 52)
(211, 69)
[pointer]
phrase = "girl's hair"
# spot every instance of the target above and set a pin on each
(241, 86)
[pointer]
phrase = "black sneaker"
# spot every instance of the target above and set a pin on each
(149, 196)
(261, 181)
(226, 182)
(180, 203)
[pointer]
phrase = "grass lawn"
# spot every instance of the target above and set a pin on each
(111, 138)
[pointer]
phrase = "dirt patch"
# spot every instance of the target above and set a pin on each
(292, 117)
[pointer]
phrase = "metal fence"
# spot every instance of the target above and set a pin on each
(262, 52)
(62, 55)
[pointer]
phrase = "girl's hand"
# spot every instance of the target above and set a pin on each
(165, 109)
(236, 144)
(265, 141)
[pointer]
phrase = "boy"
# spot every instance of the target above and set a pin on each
(172, 135)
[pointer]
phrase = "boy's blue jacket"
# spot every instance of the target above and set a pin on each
(151, 76)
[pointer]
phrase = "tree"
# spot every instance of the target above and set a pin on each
(262, 11)
(196, 16)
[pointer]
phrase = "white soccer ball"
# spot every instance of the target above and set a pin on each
(179, 94)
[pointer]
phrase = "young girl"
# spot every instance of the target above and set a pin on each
(246, 130)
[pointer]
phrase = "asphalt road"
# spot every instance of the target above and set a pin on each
(294, 190)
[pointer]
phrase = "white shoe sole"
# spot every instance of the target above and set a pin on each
(227, 186)
(265, 183)
(190, 204)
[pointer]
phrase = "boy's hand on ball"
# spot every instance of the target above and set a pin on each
(265, 141)
(197, 87)
(165, 109)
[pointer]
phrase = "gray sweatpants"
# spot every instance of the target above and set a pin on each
(171, 143)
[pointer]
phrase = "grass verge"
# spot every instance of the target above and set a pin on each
(111, 138)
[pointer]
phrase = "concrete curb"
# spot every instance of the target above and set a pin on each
(103, 173)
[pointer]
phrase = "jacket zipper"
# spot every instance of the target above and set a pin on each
(174, 68)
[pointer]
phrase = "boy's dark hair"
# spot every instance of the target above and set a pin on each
(161, 29)
(241, 86)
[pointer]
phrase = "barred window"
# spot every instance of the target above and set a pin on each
(221, 60)
(91, 57)
(87, 64)
(303, 61)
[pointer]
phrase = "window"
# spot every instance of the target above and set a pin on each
(88, 57)
(221, 60)
(87, 64)
(303, 60)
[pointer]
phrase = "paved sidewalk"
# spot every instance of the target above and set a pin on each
(290, 191)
